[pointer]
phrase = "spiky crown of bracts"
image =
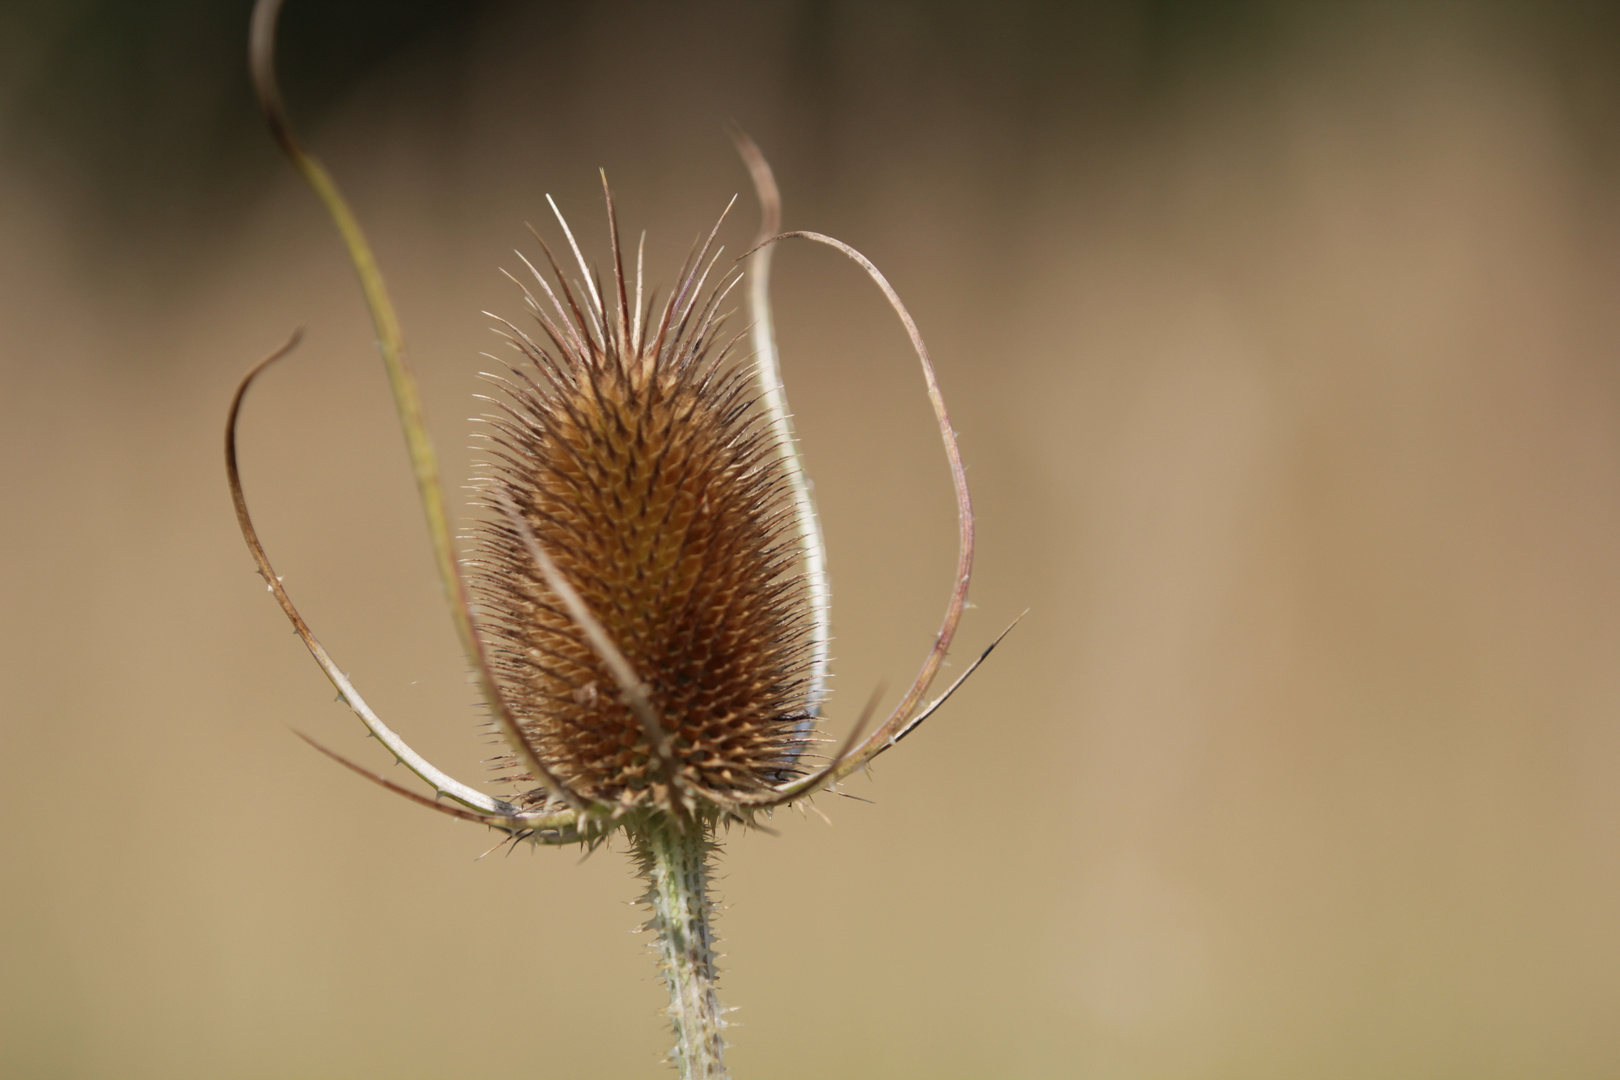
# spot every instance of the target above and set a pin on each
(631, 452)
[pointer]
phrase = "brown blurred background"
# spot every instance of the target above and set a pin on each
(1282, 340)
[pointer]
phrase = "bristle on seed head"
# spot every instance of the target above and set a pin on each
(631, 456)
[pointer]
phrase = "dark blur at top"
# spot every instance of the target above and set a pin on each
(139, 110)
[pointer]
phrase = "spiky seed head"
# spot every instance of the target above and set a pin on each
(641, 465)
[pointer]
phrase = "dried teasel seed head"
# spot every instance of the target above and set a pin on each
(629, 452)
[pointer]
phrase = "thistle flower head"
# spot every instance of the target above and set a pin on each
(653, 627)
(629, 452)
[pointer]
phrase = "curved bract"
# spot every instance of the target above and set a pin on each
(391, 345)
(773, 400)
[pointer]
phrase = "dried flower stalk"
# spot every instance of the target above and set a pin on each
(653, 637)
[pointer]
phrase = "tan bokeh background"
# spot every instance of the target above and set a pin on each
(1283, 351)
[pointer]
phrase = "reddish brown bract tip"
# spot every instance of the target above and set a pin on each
(641, 466)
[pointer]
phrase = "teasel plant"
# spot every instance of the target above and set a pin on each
(645, 605)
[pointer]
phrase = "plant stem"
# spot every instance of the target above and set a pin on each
(675, 863)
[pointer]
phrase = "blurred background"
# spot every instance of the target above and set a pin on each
(1281, 338)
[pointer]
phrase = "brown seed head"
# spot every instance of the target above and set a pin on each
(640, 464)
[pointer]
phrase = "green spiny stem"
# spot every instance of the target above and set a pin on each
(675, 863)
